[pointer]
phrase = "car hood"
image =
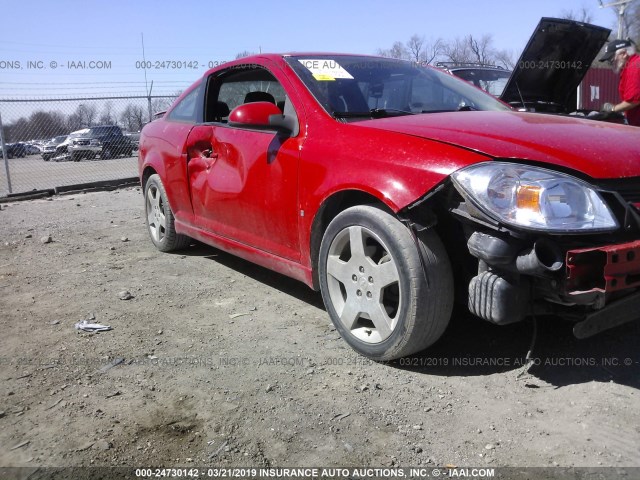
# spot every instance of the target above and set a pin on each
(554, 62)
(597, 149)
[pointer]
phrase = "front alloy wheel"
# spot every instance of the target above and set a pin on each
(374, 286)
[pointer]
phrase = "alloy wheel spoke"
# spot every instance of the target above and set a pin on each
(338, 269)
(151, 218)
(350, 314)
(381, 320)
(386, 274)
(356, 242)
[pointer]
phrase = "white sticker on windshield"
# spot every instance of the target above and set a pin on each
(325, 70)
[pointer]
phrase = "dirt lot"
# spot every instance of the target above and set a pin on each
(33, 173)
(225, 363)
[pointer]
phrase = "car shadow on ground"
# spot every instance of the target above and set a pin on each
(273, 279)
(474, 347)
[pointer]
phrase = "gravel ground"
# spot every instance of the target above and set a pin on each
(214, 361)
(33, 173)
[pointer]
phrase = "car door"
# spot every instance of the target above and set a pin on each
(244, 182)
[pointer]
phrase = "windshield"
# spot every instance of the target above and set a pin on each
(365, 87)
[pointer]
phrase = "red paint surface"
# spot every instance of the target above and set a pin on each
(256, 194)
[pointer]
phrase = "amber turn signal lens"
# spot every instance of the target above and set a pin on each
(528, 197)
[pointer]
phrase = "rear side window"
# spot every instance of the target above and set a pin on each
(185, 110)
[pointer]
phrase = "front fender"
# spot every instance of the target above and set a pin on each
(394, 168)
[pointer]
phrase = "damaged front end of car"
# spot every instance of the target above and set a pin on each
(545, 243)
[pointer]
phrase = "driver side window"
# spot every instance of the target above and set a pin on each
(240, 85)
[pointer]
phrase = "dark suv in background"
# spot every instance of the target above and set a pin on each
(108, 139)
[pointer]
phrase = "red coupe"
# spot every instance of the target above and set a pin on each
(392, 188)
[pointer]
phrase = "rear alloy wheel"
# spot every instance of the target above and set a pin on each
(160, 219)
(374, 287)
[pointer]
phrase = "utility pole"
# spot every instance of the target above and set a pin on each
(622, 6)
(5, 155)
(146, 85)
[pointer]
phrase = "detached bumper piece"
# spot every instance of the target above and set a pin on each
(613, 315)
(604, 269)
(516, 279)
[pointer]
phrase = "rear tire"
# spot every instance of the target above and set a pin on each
(374, 287)
(160, 219)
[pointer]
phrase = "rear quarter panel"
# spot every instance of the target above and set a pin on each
(162, 147)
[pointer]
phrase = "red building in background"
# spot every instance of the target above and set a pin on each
(600, 85)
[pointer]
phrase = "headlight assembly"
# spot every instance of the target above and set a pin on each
(534, 198)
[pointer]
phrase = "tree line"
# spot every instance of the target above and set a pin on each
(46, 124)
(467, 49)
(480, 49)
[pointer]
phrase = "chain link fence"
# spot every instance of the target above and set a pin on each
(61, 142)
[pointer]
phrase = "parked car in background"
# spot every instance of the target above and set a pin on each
(490, 78)
(135, 139)
(49, 148)
(83, 145)
(62, 153)
(15, 150)
(32, 149)
(111, 140)
(389, 186)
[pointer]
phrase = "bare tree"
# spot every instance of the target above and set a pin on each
(458, 51)
(86, 114)
(133, 117)
(432, 51)
(415, 47)
(244, 53)
(481, 48)
(581, 15)
(397, 50)
(44, 125)
(505, 59)
(107, 117)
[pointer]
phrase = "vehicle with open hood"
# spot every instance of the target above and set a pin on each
(550, 68)
(553, 64)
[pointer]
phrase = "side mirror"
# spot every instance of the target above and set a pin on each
(255, 115)
(260, 115)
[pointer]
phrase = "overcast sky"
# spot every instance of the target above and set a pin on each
(42, 44)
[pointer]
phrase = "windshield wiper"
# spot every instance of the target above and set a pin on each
(374, 113)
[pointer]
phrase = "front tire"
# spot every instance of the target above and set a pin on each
(374, 287)
(160, 219)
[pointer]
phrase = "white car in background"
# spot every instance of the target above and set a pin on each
(49, 148)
